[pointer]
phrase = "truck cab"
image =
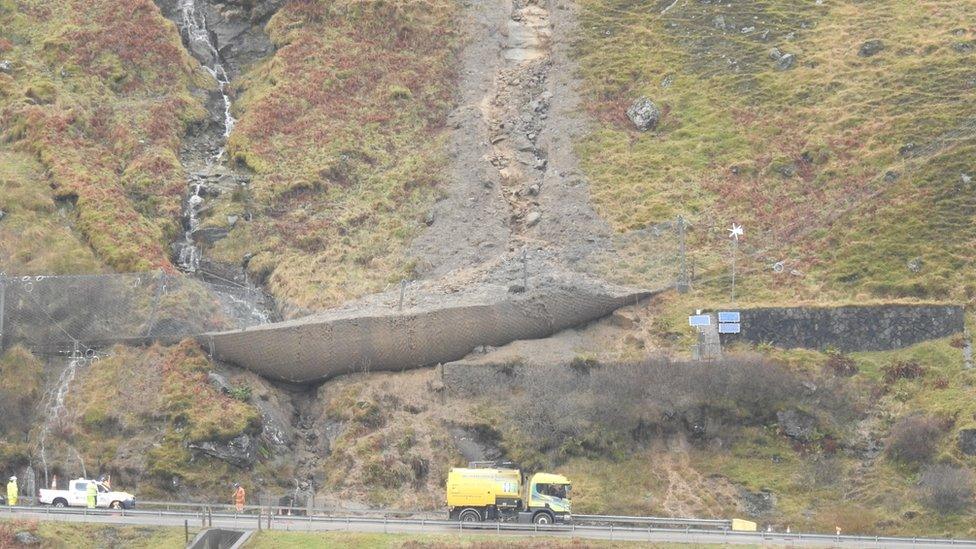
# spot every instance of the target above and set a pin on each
(549, 499)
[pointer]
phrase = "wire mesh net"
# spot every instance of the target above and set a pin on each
(443, 321)
(53, 314)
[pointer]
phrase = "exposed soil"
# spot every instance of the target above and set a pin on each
(516, 180)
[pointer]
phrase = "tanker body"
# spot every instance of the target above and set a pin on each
(499, 492)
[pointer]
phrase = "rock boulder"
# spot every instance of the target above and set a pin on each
(644, 114)
(27, 538)
(871, 47)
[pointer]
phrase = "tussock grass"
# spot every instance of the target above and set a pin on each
(99, 96)
(798, 157)
(36, 234)
(343, 129)
(168, 403)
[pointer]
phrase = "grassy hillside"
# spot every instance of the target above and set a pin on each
(97, 97)
(341, 127)
(846, 166)
(133, 415)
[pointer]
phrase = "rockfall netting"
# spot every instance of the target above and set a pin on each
(521, 295)
(380, 336)
(60, 314)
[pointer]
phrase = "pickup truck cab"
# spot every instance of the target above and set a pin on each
(77, 496)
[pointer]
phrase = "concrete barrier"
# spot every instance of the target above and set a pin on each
(218, 538)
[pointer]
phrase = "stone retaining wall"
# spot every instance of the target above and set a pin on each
(850, 328)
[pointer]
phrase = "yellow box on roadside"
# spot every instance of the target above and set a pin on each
(739, 525)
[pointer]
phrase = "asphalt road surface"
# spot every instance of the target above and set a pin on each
(357, 524)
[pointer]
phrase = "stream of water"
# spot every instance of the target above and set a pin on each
(53, 406)
(202, 44)
(201, 41)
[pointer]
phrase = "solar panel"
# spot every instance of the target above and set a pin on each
(728, 316)
(729, 328)
(700, 320)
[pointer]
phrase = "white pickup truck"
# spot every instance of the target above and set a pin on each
(77, 496)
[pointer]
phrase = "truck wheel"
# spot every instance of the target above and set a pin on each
(542, 518)
(116, 505)
(470, 515)
(60, 503)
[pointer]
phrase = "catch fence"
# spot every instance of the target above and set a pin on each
(75, 313)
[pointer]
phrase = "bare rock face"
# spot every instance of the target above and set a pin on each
(236, 28)
(239, 452)
(644, 114)
(797, 424)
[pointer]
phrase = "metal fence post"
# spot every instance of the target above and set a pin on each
(3, 291)
(683, 281)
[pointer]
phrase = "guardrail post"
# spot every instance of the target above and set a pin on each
(186, 530)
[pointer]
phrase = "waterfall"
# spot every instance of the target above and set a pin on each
(203, 45)
(52, 407)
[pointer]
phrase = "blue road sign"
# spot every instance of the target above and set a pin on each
(729, 328)
(700, 320)
(728, 316)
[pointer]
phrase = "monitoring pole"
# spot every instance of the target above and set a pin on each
(683, 282)
(734, 233)
(2, 296)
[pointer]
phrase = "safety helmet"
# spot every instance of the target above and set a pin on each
(13, 477)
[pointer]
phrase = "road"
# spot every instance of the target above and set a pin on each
(369, 525)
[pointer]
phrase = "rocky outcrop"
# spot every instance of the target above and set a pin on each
(757, 504)
(797, 424)
(237, 27)
(871, 47)
(240, 451)
(27, 539)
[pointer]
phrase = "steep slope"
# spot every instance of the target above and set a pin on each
(97, 93)
(839, 134)
(341, 129)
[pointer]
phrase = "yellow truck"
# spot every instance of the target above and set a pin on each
(500, 492)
